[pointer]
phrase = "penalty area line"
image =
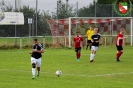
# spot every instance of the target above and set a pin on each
(97, 75)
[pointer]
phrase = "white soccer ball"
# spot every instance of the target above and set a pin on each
(58, 73)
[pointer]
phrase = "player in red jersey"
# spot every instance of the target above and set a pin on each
(77, 45)
(119, 42)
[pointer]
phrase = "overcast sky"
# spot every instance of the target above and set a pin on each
(50, 4)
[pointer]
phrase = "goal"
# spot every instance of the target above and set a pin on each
(108, 26)
(63, 30)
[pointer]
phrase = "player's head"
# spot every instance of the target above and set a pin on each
(77, 33)
(95, 30)
(122, 30)
(35, 41)
(90, 28)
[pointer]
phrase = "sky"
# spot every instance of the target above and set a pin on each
(50, 4)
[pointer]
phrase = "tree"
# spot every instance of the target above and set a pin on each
(5, 6)
(43, 25)
(105, 1)
(23, 30)
(65, 10)
(28, 13)
(103, 9)
(88, 11)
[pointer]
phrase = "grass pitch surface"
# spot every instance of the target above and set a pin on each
(104, 72)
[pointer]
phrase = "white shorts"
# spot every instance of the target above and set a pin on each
(95, 48)
(36, 61)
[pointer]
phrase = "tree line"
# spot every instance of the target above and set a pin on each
(104, 8)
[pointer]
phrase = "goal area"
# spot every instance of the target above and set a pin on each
(63, 30)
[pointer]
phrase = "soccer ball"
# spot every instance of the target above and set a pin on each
(58, 73)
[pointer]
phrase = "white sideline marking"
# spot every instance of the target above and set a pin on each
(101, 75)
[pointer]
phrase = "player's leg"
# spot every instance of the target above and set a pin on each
(38, 66)
(76, 50)
(87, 45)
(119, 52)
(90, 45)
(33, 63)
(79, 53)
(93, 52)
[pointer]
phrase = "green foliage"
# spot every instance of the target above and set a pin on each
(6, 6)
(105, 1)
(105, 72)
(7, 47)
(22, 30)
(65, 10)
(102, 10)
(88, 11)
(43, 23)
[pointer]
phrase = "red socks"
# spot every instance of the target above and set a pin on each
(118, 54)
(78, 55)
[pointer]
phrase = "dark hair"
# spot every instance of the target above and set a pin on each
(35, 39)
(122, 29)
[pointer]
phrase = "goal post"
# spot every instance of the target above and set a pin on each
(103, 23)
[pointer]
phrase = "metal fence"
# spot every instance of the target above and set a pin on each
(45, 10)
(49, 42)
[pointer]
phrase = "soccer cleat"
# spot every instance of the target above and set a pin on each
(91, 60)
(78, 59)
(37, 75)
(117, 59)
(33, 77)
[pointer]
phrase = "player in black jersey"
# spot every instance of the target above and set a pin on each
(95, 39)
(36, 58)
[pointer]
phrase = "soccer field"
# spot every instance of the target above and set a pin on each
(105, 72)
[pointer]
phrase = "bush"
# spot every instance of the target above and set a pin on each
(27, 46)
(5, 47)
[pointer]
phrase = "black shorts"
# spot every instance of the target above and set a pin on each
(89, 41)
(77, 49)
(119, 48)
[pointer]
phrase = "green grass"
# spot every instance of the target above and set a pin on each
(105, 72)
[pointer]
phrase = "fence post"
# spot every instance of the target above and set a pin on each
(65, 41)
(21, 43)
(105, 40)
(44, 42)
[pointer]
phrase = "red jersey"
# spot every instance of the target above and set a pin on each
(119, 41)
(78, 41)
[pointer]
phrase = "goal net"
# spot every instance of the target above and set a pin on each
(63, 30)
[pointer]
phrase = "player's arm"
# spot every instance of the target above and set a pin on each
(82, 40)
(92, 39)
(40, 51)
(123, 37)
(32, 50)
(73, 43)
(99, 39)
(86, 34)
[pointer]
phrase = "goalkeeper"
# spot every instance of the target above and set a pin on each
(89, 33)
